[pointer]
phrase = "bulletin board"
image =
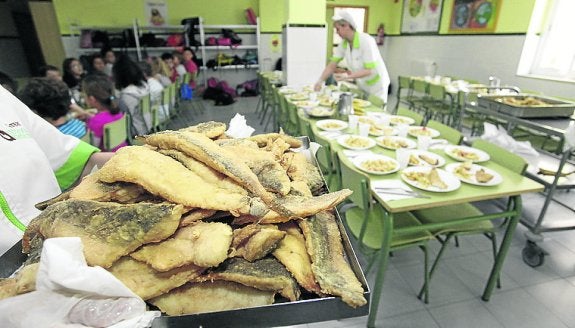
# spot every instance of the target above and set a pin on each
(474, 16)
(421, 16)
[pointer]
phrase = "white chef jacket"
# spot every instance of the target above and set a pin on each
(364, 54)
(38, 161)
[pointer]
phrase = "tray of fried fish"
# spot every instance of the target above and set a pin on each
(211, 231)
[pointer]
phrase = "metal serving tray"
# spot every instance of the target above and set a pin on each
(552, 108)
(284, 313)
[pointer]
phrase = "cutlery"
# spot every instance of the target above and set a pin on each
(399, 191)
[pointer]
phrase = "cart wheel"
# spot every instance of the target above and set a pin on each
(533, 255)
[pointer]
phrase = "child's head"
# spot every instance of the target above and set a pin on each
(100, 91)
(188, 54)
(49, 98)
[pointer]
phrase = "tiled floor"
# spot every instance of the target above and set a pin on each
(529, 297)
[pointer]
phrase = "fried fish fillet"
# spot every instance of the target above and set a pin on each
(263, 164)
(208, 152)
(298, 168)
(265, 139)
(62, 197)
(255, 241)
(148, 283)
(210, 129)
(23, 282)
(204, 244)
(301, 207)
(292, 253)
(163, 176)
(108, 230)
(330, 268)
(265, 274)
(195, 215)
(211, 296)
(91, 188)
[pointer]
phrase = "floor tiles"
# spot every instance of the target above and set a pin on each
(468, 314)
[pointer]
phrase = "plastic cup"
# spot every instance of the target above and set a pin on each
(402, 130)
(364, 129)
(353, 120)
(312, 96)
(402, 157)
(423, 142)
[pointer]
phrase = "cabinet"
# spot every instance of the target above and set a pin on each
(250, 35)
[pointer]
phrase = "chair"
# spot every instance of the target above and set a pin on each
(364, 219)
(500, 156)
(115, 133)
(418, 118)
(326, 161)
(440, 105)
(376, 101)
(448, 133)
(419, 96)
(403, 84)
(147, 112)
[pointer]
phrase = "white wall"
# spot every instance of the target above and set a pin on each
(467, 57)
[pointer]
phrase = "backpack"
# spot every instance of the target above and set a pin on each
(251, 16)
(224, 99)
(251, 57)
(86, 39)
(225, 87)
(248, 88)
(234, 38)
(186, 92)
(100, 39)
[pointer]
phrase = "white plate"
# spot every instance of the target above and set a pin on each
(391, 142)
(470, 178)
(463, 153)
(287, 91)
(449, 179)
(360, 162)
(298, 96)
(419, 155)
(331, 125)
(355, 142)
(306, 103)
(398, 119)
(361, 103)
(384, 131)
(416, 131)
(320, 111)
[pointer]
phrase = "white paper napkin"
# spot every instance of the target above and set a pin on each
(238, 127)
(355, 153)
(392, 192)
(330, 134)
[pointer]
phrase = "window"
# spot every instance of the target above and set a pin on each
(550, 53)
(359, 16)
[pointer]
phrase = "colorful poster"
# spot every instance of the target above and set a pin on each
(156, 12)
(421, 16)
(474, 16)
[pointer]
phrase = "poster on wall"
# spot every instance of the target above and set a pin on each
(421, 16)
(156, 12)
(474, 16)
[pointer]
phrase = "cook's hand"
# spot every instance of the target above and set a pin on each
(317, 86)
(342, 76)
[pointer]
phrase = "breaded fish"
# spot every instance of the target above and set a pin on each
(292, 253)
(298, 168)
(264, 139)
(211, 296)
(91, 188)
(163, 176)
(108, 230)
(195, 215)
(148, 283)
(204, 244)
(255, 241)
(208, 152)
(330, 268)
(210, 129)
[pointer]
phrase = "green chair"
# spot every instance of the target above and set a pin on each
(420, 96)
(376, 101)
(364, 220)
(403, 84)
(418, 118)
(440, 105)
(115, 133)
(145, 106)
(326, 161)
(448, 133)
(447, 213)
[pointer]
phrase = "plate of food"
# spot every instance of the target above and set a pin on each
(326, 102)
(331, 125)
(376, 130)
(376, 164)
(416, 131)
(298, 96)
(464, 153)
(355, 142)
(320, 111)
(306, 103)
(287, 91)
(395, 142)
(474, 174)
(398, 119)
(361, 103)
(430, 179)
(425, 158)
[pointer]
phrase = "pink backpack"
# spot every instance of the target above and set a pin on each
(251, 16)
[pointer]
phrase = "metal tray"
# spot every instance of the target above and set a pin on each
(552, 107)
(284, 313)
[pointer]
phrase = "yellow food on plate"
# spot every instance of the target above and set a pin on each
(394, 143)
(464, 171)
(482, 176)
(426, 179)
(361, 103)
(413, 160)
(420, 131)
(378, 165)
(400, 120)
(332, 125)
(465, 154)
(429, 159)
(356, 142)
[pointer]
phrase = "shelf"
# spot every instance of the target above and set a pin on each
(239, 47)
(161, 48)
(162, 28)
(99, 49)
(233, 27)
(228, 67)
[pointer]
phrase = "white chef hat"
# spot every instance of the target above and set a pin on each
(346, 16)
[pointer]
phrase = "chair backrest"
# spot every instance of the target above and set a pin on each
(187, 78)
(418, 118)
(115, 133)
(376, 101)
(404, 82)
(502, 156)
(323, 154)
(436, 91)
(448, 133)
(146, 109)
(354, 180)
(420, 86)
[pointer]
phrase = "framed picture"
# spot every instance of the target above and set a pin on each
(421, 16)
(474, 16)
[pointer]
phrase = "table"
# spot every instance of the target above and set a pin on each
(513, 186)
